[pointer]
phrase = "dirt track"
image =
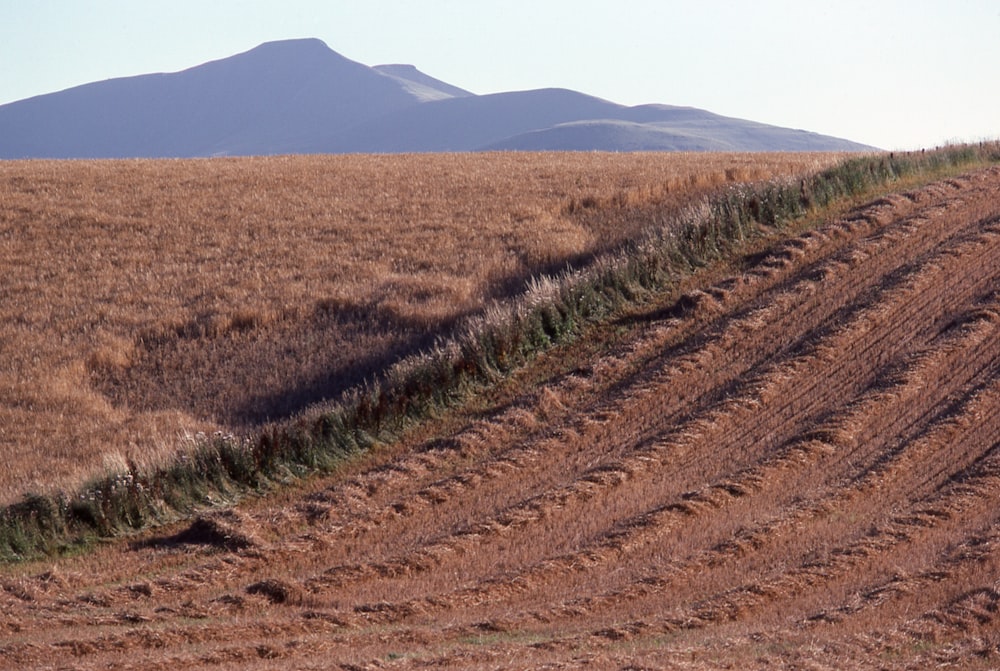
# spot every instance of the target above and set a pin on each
(798, 466)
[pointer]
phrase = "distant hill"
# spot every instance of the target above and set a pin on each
(708, 133)
(464, 124)
(299, 96)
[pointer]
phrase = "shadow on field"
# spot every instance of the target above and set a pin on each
(220, 531)
(245, 372)
(242, 372)
(246, 375)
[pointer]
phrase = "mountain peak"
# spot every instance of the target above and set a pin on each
(304, 45)
(311, 42)
(302, 51)
(301, 96)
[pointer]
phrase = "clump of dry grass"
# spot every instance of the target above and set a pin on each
(143, 300)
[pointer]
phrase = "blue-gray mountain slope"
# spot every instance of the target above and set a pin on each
(299, 96)
(424, 86)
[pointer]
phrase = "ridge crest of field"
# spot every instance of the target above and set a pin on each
(153, 300)
(797, 465)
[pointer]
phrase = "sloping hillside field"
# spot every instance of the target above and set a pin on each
(143, 301)
(794, 466)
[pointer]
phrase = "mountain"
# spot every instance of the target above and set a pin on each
(463, 124)
(424, 86)
(710, 133)
(258, 102)
(299, 96)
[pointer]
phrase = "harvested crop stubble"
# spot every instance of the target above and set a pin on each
(799, 469)
(146, 300)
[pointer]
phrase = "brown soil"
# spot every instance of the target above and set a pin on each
(795, 467)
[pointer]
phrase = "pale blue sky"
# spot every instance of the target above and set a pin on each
(895, 74)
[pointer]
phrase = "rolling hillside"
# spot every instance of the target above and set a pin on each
(299, 96)
(793, 464)
(681, 131)
(145, 301)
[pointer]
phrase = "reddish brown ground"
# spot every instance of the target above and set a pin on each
(800, 470)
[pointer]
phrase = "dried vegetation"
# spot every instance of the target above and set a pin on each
(145, 301)
(794, 465)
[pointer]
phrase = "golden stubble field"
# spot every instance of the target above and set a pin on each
(145, 301)
(792, 463)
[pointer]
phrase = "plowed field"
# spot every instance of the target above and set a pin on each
(798, 466)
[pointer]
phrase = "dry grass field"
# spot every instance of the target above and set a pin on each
(143, 301)
(796, 465)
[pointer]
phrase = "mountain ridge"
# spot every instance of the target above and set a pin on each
(300, 96)
(424, 83)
